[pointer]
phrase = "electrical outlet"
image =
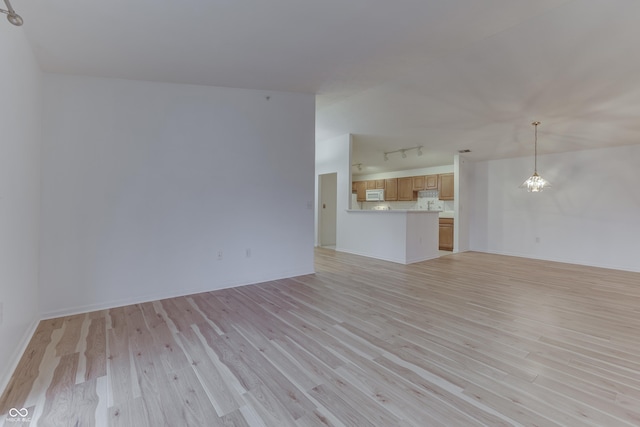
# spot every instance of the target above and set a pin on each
(537, 240)
(248, 253)
(219, 255)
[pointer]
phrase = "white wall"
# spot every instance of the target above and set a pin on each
(589, 216)
(144, 183)
(20, 95)
(463, 170)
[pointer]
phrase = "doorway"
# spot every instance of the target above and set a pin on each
(327, 210)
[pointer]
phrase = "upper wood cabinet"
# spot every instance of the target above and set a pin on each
(405, 189)
(431, 182)
(375, 184)
(445, 186)
(361, 190)
(418, 183)
(391, 189)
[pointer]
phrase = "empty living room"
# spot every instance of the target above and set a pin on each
(331, 214)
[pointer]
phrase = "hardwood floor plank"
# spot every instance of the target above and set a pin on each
(129, 413)
(120, 374)
(95, 352)
(222, 396)
(191, 405)
(350, 416)
(58, 406)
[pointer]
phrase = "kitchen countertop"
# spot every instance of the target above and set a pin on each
(441, 214)
(392, 210)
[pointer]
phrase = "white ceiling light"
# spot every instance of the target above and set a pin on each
(535, 183)
(12, 16)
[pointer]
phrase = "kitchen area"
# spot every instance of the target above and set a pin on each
(380, 204)
(403, 219)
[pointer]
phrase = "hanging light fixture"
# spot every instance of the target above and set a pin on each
(12, 16)
(535, 183)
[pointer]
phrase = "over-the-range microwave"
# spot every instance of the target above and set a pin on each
(375, 196)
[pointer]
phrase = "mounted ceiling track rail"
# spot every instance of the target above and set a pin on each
(12, 16)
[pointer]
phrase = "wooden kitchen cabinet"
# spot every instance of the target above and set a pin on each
(418, 183)
(371, 184)
(361, 190)
(431, 182)
(445, 186)
(405, 189)
(446, 234)
(391, 189)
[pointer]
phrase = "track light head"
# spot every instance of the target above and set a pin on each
(386, 157)
(404, 155)
(420, 151)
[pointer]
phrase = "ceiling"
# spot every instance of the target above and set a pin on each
(445, 75)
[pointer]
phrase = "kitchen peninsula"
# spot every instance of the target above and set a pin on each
(402, 236)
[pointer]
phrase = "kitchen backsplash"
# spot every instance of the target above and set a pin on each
(423, 203)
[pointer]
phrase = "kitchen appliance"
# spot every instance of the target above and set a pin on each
(375, 196)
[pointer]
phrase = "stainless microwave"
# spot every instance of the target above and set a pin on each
(375, 196)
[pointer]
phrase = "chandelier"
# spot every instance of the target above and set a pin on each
(535, 183)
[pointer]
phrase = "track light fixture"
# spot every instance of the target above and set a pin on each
(403, 152)
(358, 165)
(12, 16)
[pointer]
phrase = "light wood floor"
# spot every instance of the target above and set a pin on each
(464, 340)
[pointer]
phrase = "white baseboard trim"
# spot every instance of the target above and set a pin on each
(8, 370)
(562, 260)
(159, 296)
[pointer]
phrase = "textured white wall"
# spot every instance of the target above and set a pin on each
(20, 95)
(144, 183)
(589, 216)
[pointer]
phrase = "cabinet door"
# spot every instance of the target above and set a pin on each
(418, 183)
(405, 189)
(445, 186)
(371, 185)
(446, 234)
(361, 190)
(391, 189)
(431, 182)
(379, 184)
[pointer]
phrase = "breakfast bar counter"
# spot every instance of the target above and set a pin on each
(402, 236)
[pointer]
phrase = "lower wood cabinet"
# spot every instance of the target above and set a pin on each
(446, 234)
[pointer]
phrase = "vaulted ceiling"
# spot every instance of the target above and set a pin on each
(445, 75)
